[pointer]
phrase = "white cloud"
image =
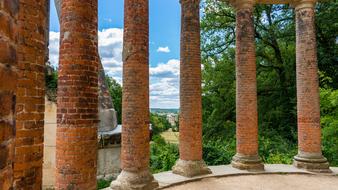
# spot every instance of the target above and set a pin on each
(110, 49)
(169, 69)
(164, 85)
(54, 45)
(163, 49)
(164, 78)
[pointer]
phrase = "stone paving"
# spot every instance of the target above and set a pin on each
(263, 182)
(168, 179)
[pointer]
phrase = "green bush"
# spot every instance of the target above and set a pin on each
(219, 151)
(163, 155)
(101, 184)
(329, 123)
(159, 123)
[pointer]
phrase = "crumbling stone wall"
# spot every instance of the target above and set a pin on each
(8, 77)
(32, 24)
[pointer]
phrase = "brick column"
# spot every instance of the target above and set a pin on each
(135, 153)
(190, 143)
(308, 109)
(8, 80)
(77, 96)
(246, 157)
(32, 25)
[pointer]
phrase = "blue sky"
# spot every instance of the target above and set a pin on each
(164, 46)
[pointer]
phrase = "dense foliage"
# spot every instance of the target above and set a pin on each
(275, 51)
(51, 83)
(276, 79)
(159, 123)
(115, 90)
(163, 154)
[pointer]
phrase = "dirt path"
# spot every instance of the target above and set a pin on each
(264, 182)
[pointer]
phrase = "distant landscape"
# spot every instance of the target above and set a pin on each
(161, 110)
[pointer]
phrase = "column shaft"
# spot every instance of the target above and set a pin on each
(190, 140)
(77, 96)
(8, 81)
(246, 92)
(32, 27)
(135, 153)
(308, 107)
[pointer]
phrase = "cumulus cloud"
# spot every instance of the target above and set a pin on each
(164, 77)
(164, 84)
(54, 45)
(110, 49)
(163, 49)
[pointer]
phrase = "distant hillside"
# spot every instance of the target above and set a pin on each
(160, 110)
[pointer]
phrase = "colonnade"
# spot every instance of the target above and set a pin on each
(77, 112)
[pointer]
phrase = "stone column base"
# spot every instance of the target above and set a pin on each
(142, 180)
(250, 163)
(189, 168)
(318, 165)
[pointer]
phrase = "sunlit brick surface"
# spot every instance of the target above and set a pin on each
(32, 24)
(8, 78)
(308, 111)
(246, 87)
(77, 112)
(135, 103)
(190, 141)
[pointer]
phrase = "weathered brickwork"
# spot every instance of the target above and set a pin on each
(8, 78)
(135, 154)
(135, 103)
(308, 106)
(77, 112)
(308, 111)
(190, 140)
(246, 87)
(32, 24)
(246, 90)
(190, 83)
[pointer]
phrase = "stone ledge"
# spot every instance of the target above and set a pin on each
(168, 179)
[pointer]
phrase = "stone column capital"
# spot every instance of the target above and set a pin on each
(189, 1)
(300, 4)
(242, 4)
(183, 2)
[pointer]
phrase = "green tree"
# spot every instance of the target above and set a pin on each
(159, 123)
(329, 123)
(115, 90)
(51, 83)
(275, 52)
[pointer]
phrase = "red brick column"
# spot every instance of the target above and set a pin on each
(246, 90)
(190, 143)
(8, 79)
(308, 109)
(135, 153)
(77, 96)
(32, 24)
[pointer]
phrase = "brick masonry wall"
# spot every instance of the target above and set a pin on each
(308, 111)
(30, 107)
(190, 83)
(8, 78)
(135, 101)
(246, 87)
(77, 96)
